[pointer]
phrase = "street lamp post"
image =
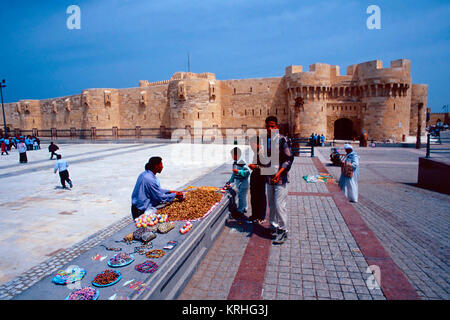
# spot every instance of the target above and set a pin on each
(3, 85)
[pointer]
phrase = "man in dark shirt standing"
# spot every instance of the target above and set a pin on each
(276, 186)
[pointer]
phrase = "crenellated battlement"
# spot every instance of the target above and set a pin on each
(363, 73)
(191, 75)
(145, 83)
(373, 72)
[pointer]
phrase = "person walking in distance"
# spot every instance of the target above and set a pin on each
(52, 148)
(4, 147)
(7, 144)
(22, 148)
(62, 165)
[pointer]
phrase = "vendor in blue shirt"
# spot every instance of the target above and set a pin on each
(147, 192)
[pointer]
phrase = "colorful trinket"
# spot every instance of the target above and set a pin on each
(87, 293)
(155, 253)
(147, 267)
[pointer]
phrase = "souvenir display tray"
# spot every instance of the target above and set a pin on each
(95, 297)
(109, 284)
(63, 277)
(125, 263)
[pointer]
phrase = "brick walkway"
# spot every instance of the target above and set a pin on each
(332, 243)
(320, 259)
(411, 223)
(215, 274)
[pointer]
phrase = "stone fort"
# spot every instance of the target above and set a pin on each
(381, 101)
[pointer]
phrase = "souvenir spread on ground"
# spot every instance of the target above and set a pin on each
(321, 177)
(198, 203)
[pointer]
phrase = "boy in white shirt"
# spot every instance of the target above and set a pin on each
(62, 165)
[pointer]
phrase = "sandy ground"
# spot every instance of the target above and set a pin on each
(38, 218)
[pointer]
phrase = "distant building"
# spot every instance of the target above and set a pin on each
(382, 101)
(434, 118)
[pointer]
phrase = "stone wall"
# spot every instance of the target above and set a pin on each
(380, 100)
(248, 102)
(435, 117)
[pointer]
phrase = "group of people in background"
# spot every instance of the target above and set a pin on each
(26, 143)
(22, 144)
(317, 140)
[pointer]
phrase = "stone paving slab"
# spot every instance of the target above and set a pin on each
(216, 273)
(319, 261)
(411, 223)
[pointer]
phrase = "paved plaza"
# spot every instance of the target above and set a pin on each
(332, 248)
(323, 257)
(39, 220)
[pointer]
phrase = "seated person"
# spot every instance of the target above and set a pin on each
(147, 192)
(335, 157)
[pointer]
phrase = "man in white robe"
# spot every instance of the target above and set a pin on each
(347, 184)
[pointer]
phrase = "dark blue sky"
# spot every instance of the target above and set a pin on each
(123, 41)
